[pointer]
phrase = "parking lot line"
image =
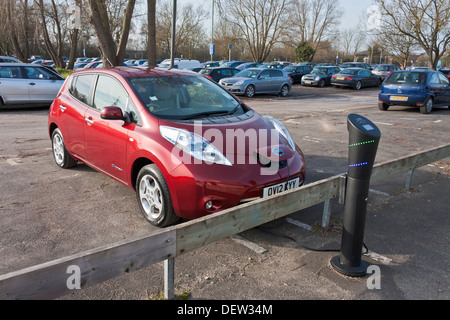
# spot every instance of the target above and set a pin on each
(351, 108)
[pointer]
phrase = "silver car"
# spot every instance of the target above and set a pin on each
(28, 84)
(253, 81)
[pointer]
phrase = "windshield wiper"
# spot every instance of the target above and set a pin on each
(205, 114)
(210, 113)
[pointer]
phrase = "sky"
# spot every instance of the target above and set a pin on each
(353, 9)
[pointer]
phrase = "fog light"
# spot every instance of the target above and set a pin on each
(208, 205)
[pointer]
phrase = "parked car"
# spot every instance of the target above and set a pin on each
(356, 65)
(211, 64)
(320, 76)
(156, 146)
(248, 65)
(422, 89)
(253, 81)
(94, 64)
(232, 64)
(355, 78)
(446, 72)
(296, 72)
(181, 64)
(6, 59)
(218, 73)
(28, 84)
(383, 70)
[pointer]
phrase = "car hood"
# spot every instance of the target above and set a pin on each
(247, 137)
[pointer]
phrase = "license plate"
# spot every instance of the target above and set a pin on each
(340, 78)
(397, 98)
(307, 81)
(280, 187)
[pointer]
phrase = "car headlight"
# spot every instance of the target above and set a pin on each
(276, 124)
(194, 145)
(239, 83)
(317, 78)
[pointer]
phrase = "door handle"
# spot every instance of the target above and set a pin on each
(61, 106)
(89, 121)
(32, 84)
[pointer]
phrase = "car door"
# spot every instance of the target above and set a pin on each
(106, 140)
(262, 83)
(445, 89)
(436, 88)
(72, 108)
(277, 79)
(13, 87)
(43, 85)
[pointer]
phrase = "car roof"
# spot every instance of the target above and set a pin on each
(18, 64)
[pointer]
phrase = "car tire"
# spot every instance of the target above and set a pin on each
(427, 106)
(249, 91)
(154, 198)
(284, 91)
(358, 85)
(60, 154)
(383, 106)
(321, 83)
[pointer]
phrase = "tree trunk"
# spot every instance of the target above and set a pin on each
(151, 22)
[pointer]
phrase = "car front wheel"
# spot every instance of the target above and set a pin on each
(250, 91)
(154, 197)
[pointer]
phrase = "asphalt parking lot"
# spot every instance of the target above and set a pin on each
(48, 213)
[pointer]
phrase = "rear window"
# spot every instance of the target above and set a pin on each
(350, 71)
(416, 78)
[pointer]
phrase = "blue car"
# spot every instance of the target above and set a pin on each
(422, 89)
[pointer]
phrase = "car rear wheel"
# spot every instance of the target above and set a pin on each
(284, 90)
(154, 197)
(427, 106)
(250, 91)
(62, 158)
(358, 85)
(383, 106)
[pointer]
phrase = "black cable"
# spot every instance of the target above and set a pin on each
(300, 244)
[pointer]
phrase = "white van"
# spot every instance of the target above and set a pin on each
(182, 64)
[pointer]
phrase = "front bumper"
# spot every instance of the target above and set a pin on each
(193, 185)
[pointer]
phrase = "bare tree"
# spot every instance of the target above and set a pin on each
(260, 22)
(425, 21)
(112, 44)
(314, 21)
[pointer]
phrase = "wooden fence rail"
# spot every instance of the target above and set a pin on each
(51, 280)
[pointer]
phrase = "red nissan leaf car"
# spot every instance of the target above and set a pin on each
(185, 145)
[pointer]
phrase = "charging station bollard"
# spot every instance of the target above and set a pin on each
(364, 137)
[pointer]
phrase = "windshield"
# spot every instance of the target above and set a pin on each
(184, 97)
(347, 65)
(319, 71)
(381, 68)
(406, 78)
(247, 73)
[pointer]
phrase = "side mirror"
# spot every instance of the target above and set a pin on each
(112, 113)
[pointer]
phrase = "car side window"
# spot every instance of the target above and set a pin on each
(109, 93)
(10, 72)
(38, 73)
(275, 73)
(226, 72)
(434, 79)
(81, 87)
(443, 79)
(264, 74)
